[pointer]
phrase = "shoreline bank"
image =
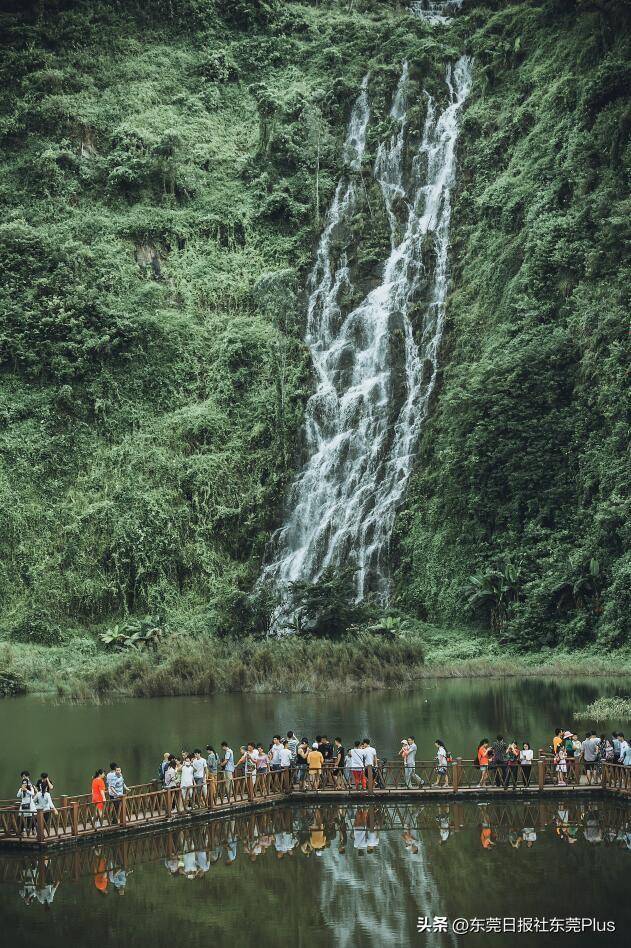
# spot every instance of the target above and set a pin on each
(81, 671)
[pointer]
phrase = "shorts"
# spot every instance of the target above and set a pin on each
(484, 768)
(590, 764)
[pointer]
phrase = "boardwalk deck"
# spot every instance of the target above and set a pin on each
(146, 808)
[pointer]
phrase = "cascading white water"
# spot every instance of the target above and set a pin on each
(435, 11)
(373, 380)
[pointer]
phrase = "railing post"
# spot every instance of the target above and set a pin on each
(209, 792)
(249, 787)
(168, 796)
(75, 819)
(287, 779)
(370, 778)
(541, 770)
(603, 778)
(455, 773)
(40, 826)
(122, 813)
(63, 801)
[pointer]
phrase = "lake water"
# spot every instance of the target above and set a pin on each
(71, 741)
(348, 876)
(333, 876)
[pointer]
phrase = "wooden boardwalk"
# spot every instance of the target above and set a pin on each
(147, 807)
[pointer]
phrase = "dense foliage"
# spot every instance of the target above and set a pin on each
(165, 171)
(520, 508)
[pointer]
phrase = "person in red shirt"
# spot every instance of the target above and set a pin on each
(483, 761)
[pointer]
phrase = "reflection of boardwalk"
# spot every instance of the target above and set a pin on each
(146, 807)
(348, 838)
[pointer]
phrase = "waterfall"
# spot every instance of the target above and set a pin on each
(435, 11)
(375, 371)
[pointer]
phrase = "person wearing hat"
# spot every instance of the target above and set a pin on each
(315, 762)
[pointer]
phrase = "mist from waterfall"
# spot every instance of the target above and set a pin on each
(375, 370)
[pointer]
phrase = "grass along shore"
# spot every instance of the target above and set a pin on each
(185, 665)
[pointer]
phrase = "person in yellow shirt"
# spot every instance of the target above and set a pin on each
(557, 740)
(315, 762)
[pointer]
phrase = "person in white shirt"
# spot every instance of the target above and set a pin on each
(26, 800)
(187, 781)
(441, 764)
(285, 757)
(44, 802)
(358, 764)
(624, 746)
(200, 768)
(526, 755)
(249, 758)
(274, 752)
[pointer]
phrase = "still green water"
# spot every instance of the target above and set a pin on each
(333, 876)
(71, 741)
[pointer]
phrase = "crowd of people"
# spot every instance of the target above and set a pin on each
(329, 764)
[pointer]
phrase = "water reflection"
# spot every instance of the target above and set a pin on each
(343, 837)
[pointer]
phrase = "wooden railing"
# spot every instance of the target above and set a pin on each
(146, 804)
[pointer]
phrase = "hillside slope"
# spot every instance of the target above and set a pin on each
(162, 185)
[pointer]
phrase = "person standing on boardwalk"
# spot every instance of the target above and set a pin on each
(200, 768)
(526, 755)
(560, 761)
(338, 762)
(98, 791)
(591, 747)
(227, 765)
(412, 779)
(498, 761)
(274, 752)
(26, 801)
(441, 764)
(187, 781)
(370, 757)
(212, 763)
(358, 766)
(315, 762)
(483, 761)
(302, 765)
(292, 744)
(44, 802)
(116, 788)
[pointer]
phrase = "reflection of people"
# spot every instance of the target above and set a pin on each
(485, 836)
(529, 835)
(410, 841)
(317, 836)
(46, 893)
(100, 876)
(118, 878)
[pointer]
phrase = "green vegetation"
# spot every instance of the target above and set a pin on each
(606, 709)
(164, 173)
(519, 514)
